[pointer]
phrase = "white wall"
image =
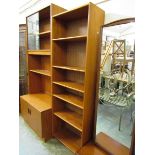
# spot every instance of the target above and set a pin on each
(114, 9)
(118, 9)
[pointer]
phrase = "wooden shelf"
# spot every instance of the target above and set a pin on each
(72, 85)
(71, 118)
(39, 53)
(79, 12)
(70, 98)
(69, 139)
(45, 33)
(74, 38)
(78, 69)
(43, 72)
(41, 102)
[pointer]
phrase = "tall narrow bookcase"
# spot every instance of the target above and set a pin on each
(36, 106)
(75, 40)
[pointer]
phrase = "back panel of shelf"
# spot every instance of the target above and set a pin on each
(44, 41)
(39, 62)
(44, 28)
(39, 83)
(70, 53)
(65, 75)
(75, 25)
(44, 19)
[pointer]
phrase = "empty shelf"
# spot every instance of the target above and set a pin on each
(74, 38)
(72, 99)
(69, 139)
(71, 117)
(43, 72)
(78, 69)
(72, 85)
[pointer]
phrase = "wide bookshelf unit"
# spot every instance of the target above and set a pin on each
(37, 105)
(75, 40)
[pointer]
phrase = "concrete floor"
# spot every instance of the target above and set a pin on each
(31, 144)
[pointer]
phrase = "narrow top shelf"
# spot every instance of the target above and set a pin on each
(76, 13)
(75, 38)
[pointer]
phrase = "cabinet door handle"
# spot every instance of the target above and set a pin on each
(29, 111)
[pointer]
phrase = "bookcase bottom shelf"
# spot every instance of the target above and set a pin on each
(69, 139)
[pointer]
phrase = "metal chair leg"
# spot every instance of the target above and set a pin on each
(120, 119)
(131, 113)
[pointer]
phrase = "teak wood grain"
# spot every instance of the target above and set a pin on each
(36, 110)
(75, 46)
(110, 145)
(70, 98)
(37, 106)
(69, 139)
(91, 69)
(91, 149)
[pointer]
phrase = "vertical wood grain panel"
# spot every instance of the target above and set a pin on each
(96, 16)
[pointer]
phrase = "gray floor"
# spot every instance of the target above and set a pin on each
(31, 144)
(108, 120)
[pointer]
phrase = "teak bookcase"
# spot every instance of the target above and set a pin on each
(75, 39)
(36, 106)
